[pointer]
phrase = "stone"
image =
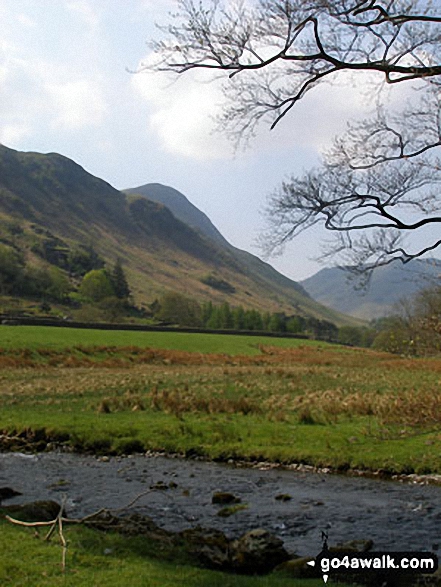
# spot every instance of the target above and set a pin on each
(224, 498)
(283, 497)
(36, 511)
(8, 493)
(257, 551)
(210, 547)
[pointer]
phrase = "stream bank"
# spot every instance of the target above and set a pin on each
(295, 505)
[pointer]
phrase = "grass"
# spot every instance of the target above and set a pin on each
(34, 337)
(285, 400)
(95, 559)
(317, 404)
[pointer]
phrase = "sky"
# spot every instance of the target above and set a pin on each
(68, 84)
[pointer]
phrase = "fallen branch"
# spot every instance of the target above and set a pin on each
(57, 523)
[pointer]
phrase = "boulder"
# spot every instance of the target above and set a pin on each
(257, 551)
(134, 524)
(210, 547)
(36, 511)
(7, 493)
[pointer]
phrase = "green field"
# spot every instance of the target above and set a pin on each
(33, 337)
(223, 397)
(220, 396)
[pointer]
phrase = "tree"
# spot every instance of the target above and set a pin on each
(11, 270)
(294, 324)
(119, 281)
(277, 323)
(225, 315)
(379, 183)
(176, 308)
(238, 315)
(416, 329)
(82, 259)
(96, 285)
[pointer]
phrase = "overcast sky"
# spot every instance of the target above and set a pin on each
(66, 87)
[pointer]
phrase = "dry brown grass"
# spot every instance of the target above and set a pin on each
(309, 385)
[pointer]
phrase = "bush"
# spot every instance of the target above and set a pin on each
(178, 309)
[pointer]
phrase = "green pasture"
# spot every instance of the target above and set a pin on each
(33, 337)
(297, 402)
(106, 392)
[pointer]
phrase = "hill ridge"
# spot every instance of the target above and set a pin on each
(389, 285)
(59, 205)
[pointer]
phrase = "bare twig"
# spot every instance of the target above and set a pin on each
(57, 523)
(53, 524)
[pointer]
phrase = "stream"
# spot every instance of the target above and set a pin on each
(396, 516)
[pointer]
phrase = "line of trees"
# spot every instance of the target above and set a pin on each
(175, 308)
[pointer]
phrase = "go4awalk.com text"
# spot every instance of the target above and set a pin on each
(328, 563)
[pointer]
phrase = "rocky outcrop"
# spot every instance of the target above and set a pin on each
(7, 493)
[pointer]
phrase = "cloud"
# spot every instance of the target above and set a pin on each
(45, 89)
(26, 21)
(84, 10)
(182, 111)
(77, 104)
(182, 114)
(11, 134)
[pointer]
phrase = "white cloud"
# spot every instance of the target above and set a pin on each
(163, 5)
(26, 21)
(77, 104)
(182, 114)
(40, 88)
(84, 10)
(182, 110)
(12, 134)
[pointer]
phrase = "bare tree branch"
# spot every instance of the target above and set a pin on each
(380, 181)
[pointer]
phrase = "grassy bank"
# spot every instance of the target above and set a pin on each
(293, 401)
(96, 558)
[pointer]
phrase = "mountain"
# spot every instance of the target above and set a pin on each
(389, 285)
(192, 216)
(51, 207)
(181, 208)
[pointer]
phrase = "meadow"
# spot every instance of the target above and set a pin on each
(222, 397)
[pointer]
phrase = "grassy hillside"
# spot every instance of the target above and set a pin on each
(50, 206)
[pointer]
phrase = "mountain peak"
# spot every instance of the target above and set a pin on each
(181, 207)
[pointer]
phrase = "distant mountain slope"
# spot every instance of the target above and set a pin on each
(49, 205)
(389, 285)
(181, 207)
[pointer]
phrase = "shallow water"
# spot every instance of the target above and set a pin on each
(394, 515)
